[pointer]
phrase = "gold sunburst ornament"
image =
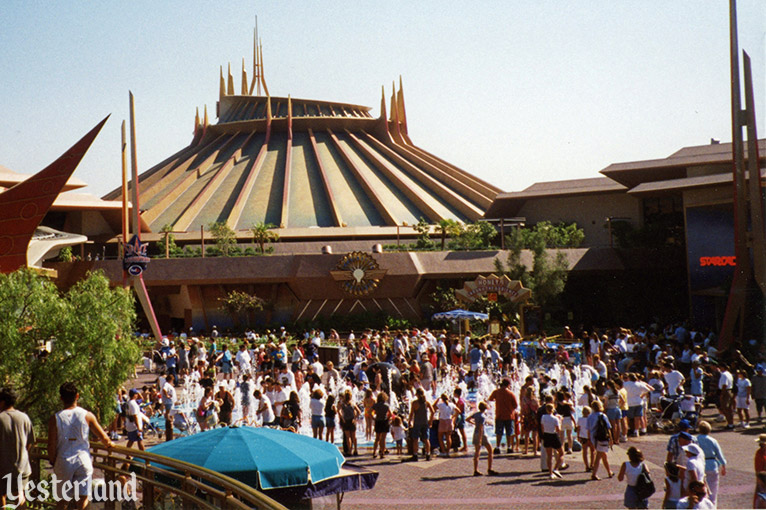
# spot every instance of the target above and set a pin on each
(358, 273)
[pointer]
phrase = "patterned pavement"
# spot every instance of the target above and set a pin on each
(448, 483)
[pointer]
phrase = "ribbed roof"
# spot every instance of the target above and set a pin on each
(300, 163)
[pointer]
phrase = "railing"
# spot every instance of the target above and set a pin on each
(161, 482)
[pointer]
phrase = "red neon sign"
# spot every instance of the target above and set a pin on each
(718, 261)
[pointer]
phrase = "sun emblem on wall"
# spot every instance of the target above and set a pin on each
(358, 273)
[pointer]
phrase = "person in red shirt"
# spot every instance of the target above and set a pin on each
(505, 408)
(760, 454)
(760, 467)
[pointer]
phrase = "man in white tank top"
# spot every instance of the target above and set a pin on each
(69, 448)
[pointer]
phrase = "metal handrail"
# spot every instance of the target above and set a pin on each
(160, 476)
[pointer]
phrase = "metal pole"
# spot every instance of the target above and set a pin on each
(202, 238)
(134, 167)
(502, 234)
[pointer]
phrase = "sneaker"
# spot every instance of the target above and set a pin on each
(414, 458)
(730, 427)
(623, 439)
(496, 451)
(746, 425)
(492, 472)
(557, 474)
(508, 451)
(428, 456)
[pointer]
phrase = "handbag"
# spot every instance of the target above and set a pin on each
(644, 485)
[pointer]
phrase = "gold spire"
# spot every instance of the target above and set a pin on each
(260, 59)
(221, 86)
(256, 84)
(289, 118)
(400, 100)
(205, 122)
(244, 78)
(394, 116)
(230, 87)
(382, 102)
(196, 122)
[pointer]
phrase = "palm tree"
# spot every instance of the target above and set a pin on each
(447, 226)
(263, 234)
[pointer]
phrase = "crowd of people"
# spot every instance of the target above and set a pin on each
(585, 391)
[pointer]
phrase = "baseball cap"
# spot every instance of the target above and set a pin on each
(684, 425)
(132, 392)
(685, 435)
(692, 449)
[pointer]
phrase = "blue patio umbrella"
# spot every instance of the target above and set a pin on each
(458, 315)
(263, 458)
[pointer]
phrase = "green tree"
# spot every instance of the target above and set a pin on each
(561, 235)
(89, 329)
(443, 299)
(238, 303)
(448, 227)
(263, 233)
(423, 229)
(474, 236)
(549, 271)
(173, 249)
(225, 237)
(65, 255)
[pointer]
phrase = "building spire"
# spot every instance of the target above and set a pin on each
(400, 101)
(260, 59)
(221, 86)
(258, 80)
(230, 87)
(244, 78)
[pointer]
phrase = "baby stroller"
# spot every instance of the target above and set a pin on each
(184, 422)
(672, 410)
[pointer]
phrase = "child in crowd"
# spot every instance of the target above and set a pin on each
(582, 435)
(673, 484)
(399, 433)
(329, 418)
(743, 398)
(480, 439)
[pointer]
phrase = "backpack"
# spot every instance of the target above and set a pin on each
(347, 412)
(602, 429)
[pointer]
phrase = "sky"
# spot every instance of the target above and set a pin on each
(515, 92)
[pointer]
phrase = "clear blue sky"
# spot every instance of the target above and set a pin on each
(514, 91)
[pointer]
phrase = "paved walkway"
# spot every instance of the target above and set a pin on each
(448, 483)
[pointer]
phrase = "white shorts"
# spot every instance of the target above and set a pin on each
(78, 470)
(602, 446)
(475, 367)
(742, 403)
(567, 423)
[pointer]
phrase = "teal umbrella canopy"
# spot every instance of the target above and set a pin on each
(457, 315)
(263, 458)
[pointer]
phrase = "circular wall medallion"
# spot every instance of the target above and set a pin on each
(358, 273)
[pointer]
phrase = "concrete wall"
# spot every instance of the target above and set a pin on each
(589, 212)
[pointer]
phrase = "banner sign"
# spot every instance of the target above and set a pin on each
(493, 286)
